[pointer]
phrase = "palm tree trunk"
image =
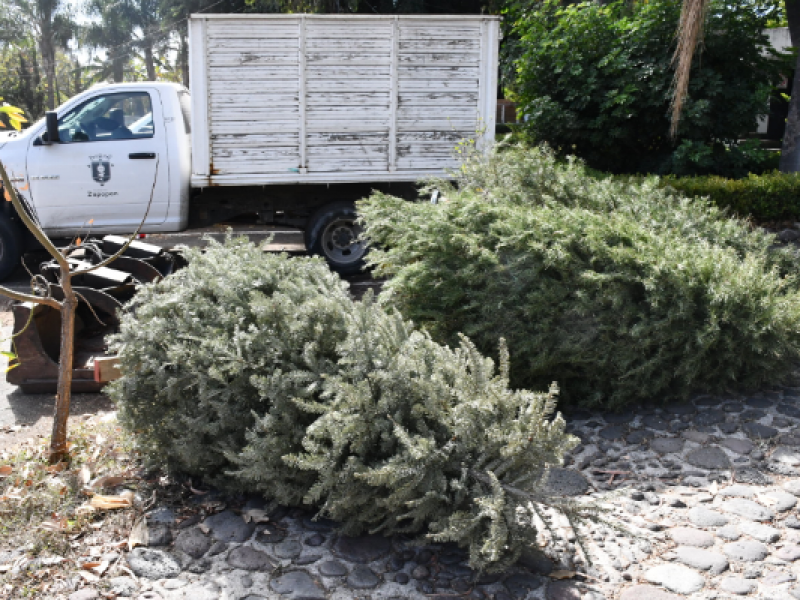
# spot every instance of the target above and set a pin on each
(149, 63)
(48, 53)
(118, 68)
(184, 59)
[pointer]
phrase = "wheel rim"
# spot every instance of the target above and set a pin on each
(341, 241)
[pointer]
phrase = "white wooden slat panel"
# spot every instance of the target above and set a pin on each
(362, 99)
(362, 86)
(348, 72)
(450, 137)
(426, 163)
(246, 76)
(282, 104)
(254, 140)
(367, 46)
(439, 58)
(351, 29)
(270, 166)
(255, 66)
(422, 85)
(255, 59)
(437, 149)
(246, 128)
(348, 123)
(303, 119)
(348, 152)
(257, 44)
(198, 70)
(256, 154)
(437, 98)
(442, 113)
(427, 32)
(435, 124)
(348, 138)
(439, 45)
(348, 58)
(223, 100)
(236, 34)
(286, 115)
(412, 72)
(325, 85)
(246, 29)
(318, 165)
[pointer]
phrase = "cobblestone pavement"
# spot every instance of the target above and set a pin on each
(709, 488)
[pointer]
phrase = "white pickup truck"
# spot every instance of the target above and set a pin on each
(291, 118)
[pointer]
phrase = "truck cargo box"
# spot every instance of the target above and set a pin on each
(336, 99)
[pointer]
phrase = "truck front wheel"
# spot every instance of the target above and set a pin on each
(10, 246)
(334, 233)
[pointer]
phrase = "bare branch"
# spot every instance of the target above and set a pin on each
(32, 226)
(132, 237)
(690, 34)
(22, 297)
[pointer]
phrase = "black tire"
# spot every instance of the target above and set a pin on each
(333, 233)
(10, 246)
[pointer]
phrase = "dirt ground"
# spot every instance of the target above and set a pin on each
(24, 416)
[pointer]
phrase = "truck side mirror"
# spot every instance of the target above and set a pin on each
(51, 118)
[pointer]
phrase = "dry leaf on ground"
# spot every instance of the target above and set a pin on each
(139, 535)
(57, 527)
(96, 567)
(110, 502)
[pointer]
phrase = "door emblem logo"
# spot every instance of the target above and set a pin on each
(101, 168)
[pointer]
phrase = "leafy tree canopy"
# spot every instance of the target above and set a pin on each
(596, 80)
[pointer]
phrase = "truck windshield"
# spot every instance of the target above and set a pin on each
(109, 117)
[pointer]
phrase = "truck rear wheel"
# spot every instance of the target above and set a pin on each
(333, 233)
(10, 246)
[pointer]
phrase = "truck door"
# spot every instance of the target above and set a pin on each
(112, 150)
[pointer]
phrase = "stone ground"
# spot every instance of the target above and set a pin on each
(708, 489)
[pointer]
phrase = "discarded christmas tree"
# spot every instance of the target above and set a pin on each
(259, 372)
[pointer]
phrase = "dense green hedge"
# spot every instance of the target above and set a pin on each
(769, 197)
(622, 291)
(259, 373)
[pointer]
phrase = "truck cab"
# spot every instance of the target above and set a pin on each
(117, 145)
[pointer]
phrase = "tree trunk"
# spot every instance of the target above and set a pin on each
(58, 439)
(118, 68)
(77, 82)
(184, 60)
(790, 148)
(49, 63)
(149, 63)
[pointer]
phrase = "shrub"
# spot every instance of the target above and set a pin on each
(622, 291)
(259, 373)
(595, 80)
(769, 197)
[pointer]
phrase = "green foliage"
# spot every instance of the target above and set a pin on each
(192, 346)
(595, 80)
(259, 373)
(769, 197)
(621, 290)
